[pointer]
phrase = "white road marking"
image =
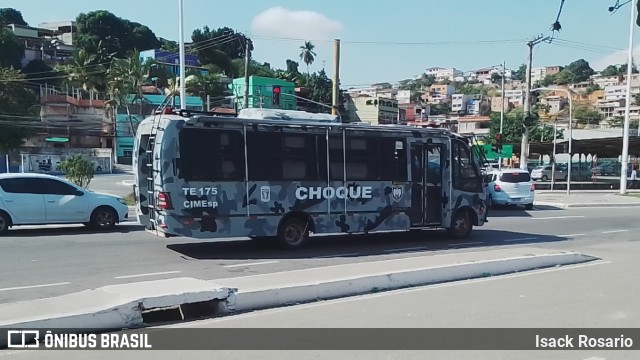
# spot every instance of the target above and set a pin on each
(34, 286)
(250, 264)
(522, 239)
(408, 249)
(147, 274)
(614, 231)
(572, 235)
(127, 182)
(467, 243)
(336, 255)
(557, 217)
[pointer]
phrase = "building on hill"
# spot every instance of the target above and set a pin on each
(261, 93)
(41, 44)
(374, 110)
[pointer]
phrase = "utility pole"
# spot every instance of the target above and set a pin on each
(504, 72)
(524, 146)
(247, 57)
(183, 91)
(336, 77)
(627, 112)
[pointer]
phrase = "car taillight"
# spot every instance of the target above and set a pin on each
(533, 187)
(496, 187)
(164, 201)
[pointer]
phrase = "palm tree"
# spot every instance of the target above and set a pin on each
(84, 72)
(307, 54)
(132, 73)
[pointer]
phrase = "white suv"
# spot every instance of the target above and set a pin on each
(510, 187)
(37, 199)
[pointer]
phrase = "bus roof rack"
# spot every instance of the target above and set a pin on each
(190, 113)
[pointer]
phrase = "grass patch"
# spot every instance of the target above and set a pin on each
(130, 199)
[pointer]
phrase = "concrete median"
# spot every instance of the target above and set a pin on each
(134, 304)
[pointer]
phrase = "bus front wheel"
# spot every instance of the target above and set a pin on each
(294, 233)
(461, 225)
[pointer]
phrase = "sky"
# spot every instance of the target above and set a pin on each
(383, 41)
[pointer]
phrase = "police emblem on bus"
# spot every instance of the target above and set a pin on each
(265, 194)
(396, 193)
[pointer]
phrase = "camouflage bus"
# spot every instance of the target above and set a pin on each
(286, 174)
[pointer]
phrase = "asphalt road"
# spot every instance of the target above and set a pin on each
(116, 184)
(603, 294)
(51, 261)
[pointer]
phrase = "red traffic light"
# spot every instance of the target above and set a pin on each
(276, 89)
(498, 137)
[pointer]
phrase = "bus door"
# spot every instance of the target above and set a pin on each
(433, 185)
(426, 184)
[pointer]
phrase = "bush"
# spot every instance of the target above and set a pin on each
(78, 170)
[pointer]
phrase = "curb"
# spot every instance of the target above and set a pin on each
(124, 306)
(583, 205)
(110, 307)
(261, 299)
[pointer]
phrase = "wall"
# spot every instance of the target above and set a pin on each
(46, 160)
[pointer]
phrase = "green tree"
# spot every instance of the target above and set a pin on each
(622, 69)
(128, 76)
(549, 79)
(11, 16)
(564, 77)
(520, 74)
(169, 45)
(115, 35)
(580, 70)
(496, 78)
(38, 72)
(11, 51)
(584, 115)
(16, 117)
(513, 129)
(84, 71)
(220, 47)
(591, 88)
(307, 55)
(78, 170)
(610, 70)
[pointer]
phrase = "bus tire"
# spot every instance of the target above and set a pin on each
(461, 225)
(293, 233)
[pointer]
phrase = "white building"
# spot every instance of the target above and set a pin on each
(538, 74)
(604, 81)
(442, 74)
(66, 29)
(619, 92)
(607, 108)
(403, 96)
(459, 103)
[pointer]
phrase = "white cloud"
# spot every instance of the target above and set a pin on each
(616, 58)
(280, 22)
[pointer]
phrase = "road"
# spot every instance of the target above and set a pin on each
(116, 184)
(48, 262)
(602, 294)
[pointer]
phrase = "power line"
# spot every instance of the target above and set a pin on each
(393, 42)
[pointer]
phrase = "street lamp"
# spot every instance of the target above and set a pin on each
(570, 137)
(183, 97)
(625, 133)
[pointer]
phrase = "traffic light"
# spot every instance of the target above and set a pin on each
(276, 95)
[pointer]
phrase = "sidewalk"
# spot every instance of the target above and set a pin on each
(138, 304)
(560, 199)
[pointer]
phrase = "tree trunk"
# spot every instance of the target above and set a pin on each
(133, 129)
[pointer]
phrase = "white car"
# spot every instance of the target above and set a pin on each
(510, 187)
(38, 199)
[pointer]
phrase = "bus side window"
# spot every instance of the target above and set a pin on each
(363, 160)
(393, 156)
(465, 174)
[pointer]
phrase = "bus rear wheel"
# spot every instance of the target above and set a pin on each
(294, 233)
